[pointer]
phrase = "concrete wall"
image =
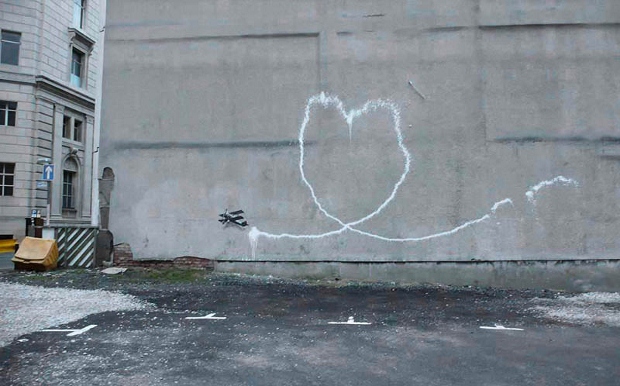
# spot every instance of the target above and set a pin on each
(574, 276)
(450, 131)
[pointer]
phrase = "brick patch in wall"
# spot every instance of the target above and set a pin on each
(123, 257)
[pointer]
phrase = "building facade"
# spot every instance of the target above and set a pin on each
(445, 140)
(50, 65)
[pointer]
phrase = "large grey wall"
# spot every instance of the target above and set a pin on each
(204, 102)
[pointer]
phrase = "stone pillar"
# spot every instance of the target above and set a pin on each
(56, 192)
(106, 184)
(104, 249)
(87, 169)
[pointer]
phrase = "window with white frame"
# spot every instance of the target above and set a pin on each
(8, 112)
(9, 47)
(79, 13)
(78, 67)
(7, 178)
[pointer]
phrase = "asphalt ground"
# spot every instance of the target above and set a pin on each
(279, 333)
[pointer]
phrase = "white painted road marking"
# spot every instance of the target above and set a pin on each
(72, 332)
(208, 317)
(500, 327)
(351, 321)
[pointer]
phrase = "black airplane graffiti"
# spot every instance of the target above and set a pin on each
(233, 217)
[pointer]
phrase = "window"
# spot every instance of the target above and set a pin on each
(7, 179)
(72, 128)
(79, 9)
(70, 183)
(9, 47)
(77, 68)
(66, 127)
(77, 130)
(81, 47)
(68, 198)
(8, 110)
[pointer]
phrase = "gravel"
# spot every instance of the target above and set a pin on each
(27, 309)
(593, 308)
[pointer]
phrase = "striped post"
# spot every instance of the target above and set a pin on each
(76, 246)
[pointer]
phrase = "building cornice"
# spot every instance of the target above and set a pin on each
(58, 89)
(15, 77)
(80, 37)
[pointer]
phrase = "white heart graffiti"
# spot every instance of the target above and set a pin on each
(326, 101)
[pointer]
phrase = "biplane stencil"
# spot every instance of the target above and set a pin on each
(233, 218)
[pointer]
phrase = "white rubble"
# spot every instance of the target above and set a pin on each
(27, 309)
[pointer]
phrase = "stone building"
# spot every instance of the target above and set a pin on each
(50, 68)
(444, 140)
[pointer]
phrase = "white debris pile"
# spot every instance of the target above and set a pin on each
(114, 270)
(25, 309)
(594, 308)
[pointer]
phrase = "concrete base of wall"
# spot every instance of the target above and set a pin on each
(580, 276)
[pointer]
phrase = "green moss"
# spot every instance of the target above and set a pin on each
(76, 278)
(174, 275)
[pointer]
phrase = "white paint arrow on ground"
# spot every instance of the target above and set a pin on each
(500, 327)
(351, 321)
(72, 332)
(208, 317)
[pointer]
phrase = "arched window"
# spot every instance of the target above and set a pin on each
(70, 184)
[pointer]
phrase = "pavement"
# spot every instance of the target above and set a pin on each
(234, 330)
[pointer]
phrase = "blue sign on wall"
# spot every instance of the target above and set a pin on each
(48, 172)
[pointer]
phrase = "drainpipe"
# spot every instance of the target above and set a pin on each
(97, 126)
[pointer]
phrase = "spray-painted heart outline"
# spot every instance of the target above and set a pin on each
(326, 101)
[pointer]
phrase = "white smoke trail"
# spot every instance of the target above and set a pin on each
(530, 194)
(325, 101)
